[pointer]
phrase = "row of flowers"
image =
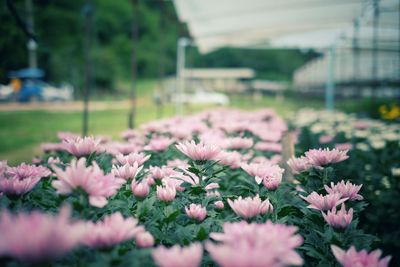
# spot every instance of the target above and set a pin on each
(178, 187)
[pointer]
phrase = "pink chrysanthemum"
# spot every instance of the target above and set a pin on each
(80, 147)
(298, 165)
(200, 152)
(166, 194)
(196, 211)
(112, 230)
(321, 202)
(346, 189)
(131, 158)
(37, 236)
(91, 179)
(159, 143)
(269, 174)
(253, 241)
(127, 171)
(233, 159)
(340, 219)
(177, 256)
(321, 157)
(352, 258)
(250, 207)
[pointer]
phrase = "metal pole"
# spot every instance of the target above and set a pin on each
(132, 94)
(330, 81)
(31, 45)
(180, 79)
(88, 13)
(356, 52)
(375, 46)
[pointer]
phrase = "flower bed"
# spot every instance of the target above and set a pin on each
(197, 191)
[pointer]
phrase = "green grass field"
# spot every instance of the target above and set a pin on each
(22, 132)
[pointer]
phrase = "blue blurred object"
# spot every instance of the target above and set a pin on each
(28, 73)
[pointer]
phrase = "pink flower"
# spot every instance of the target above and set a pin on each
(166, 194)
(298, 165)
(159, 143)
(243, 244)
(91, 179)
(48, 147)
(196, 211)
(144, 240)
(160, 172)
(127, 171)
(66, 135)
(347, 189)
(268, 146)
(321, 157)
(200, 152)
(326, 202)
(37, 236)
(131, 158)
(270, 174)
(80, 147)
(233, 159)
(340, 219)
(129, 134)
(178, 163)
(344, 146)
(219, 204)
(352, 258)
(112, 230)
(21, 179)
(324, 139)
(140, 189)
(177, 256)
(239, 143)
(250, 207)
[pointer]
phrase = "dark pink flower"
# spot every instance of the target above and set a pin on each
(340, 219)
(177, 256)
(37, 236)
(112, 230)
(326, 202)
(91, 179)
(347, 189)
(250, 207)
(352, 258)
(196, 211)
(243, 244)
(199, 151)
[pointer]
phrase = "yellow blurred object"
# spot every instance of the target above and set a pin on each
(16, 85)
(389, 113)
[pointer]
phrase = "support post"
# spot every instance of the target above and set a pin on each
(132, 93)
(31, 44)
(180, 73)
(330, 81)
(375, 37)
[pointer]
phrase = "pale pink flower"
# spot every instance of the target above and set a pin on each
(67, 135)
(196, 211)
(243, 244)
(80, 147)
(52, 160)
(27, 171)
(361, 124)
(352, 258)
(112, 230)
(49, 147)
(213, 194)
(268, 146)
(140, 189)
(298, 165)
(37, 236)
(321, 202)
(178, 163)
(166, 194)
(347, 189)
(159, 143)
(14, 186)
(219, 204)
(144, 240)
(268, 173)
(200, 152)
(127, 171)
(233, 159)
(250, 207)
(129, 134)
(324, 139)
(321, 157)
(239, 143)
(37, 160)
(177, 256)
(91, 179)
(159, 173)
(340, 219)
(344, 146)
(139, 157)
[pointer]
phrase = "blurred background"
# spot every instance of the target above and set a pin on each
(99, 67)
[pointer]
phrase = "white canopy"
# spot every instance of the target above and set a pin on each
(287, 23)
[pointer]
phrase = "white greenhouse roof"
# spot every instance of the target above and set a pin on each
(286, 23)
